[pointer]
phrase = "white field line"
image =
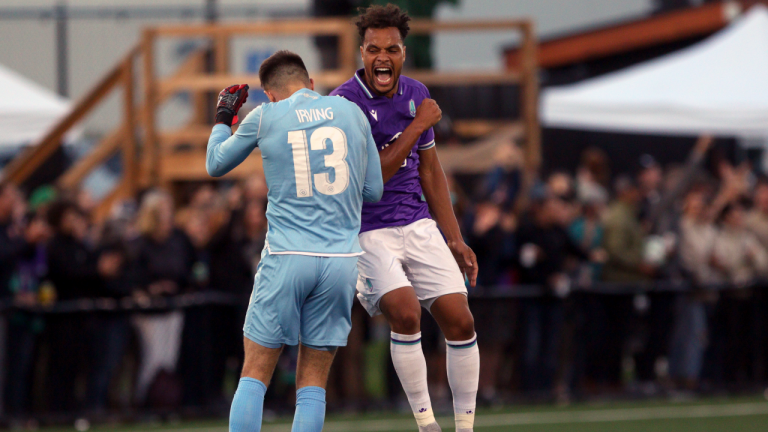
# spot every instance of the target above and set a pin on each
(543, 417)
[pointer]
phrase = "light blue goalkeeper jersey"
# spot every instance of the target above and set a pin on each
(320, 163)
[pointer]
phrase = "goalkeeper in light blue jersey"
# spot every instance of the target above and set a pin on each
(320, 163)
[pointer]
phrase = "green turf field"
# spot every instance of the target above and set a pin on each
(712, 415)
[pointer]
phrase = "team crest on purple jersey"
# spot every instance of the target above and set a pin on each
(402, 203)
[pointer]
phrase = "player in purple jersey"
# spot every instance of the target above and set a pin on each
(407, 264)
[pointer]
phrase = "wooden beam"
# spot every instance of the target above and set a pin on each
(429, 78)
(104, 207)
(476, 128)
(130, 164)
(479, 156)
(199, 99)
(195, 135)
(21, 167)
(221, 53)
(334, 79)
(348, 51)
(192, 65)
(604, 42)
(530, 101)
(110, 143)
(316, 26)
(219, 81)
(149, 155)
(107, 147)
(429, 26)
(190, 166)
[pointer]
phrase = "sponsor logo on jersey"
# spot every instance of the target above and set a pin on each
(375, 116)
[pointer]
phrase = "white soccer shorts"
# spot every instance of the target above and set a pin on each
(413, 255)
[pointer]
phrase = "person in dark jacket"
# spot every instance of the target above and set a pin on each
(19, 241)
(163, 262)
(76, 272)
(235, 252)
(109, 331)
(197, 351)
(25, 327)
(544, 249)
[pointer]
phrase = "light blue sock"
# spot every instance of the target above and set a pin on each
(248, 406)
(310, 410)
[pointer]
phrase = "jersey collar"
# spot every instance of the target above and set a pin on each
(368, 92)
(304, 90)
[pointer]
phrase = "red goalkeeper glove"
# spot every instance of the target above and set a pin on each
(230, 101)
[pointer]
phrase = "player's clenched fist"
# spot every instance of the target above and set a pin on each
(230, 101)
(428, 114)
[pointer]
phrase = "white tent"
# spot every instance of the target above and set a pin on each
(27, 110)
(718, 86)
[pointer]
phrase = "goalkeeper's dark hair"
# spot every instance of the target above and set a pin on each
(381, 17)
(282, 68)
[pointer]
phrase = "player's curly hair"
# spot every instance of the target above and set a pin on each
(381, 17)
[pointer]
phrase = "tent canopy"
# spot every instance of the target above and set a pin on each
(718, 86)
(27, 110)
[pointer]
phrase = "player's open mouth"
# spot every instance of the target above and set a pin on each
(382, 75)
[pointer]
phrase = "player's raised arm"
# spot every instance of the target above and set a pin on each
(373, 188)
(226, 151)
(427, 115)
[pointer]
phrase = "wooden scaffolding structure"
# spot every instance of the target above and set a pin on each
(153, 155)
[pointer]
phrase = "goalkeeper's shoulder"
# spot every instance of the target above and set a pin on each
(255, 121)
(255, 114)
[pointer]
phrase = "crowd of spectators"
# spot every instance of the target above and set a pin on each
(591, 283)
(80, 360)
(649, 280)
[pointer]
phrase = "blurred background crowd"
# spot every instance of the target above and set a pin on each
(146, 251)
(661, 266)
(620, 256)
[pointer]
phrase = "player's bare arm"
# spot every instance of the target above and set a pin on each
(427, 115)
(435, 188)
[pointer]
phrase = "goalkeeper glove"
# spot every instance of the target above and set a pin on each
(230, 101)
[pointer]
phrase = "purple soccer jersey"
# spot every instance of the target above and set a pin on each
(402, 203)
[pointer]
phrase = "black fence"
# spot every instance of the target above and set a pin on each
(129, 358)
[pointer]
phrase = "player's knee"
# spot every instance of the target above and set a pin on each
(260, 360)
(406, 320)
(462, 328)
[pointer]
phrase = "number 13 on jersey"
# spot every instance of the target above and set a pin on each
(336, 160)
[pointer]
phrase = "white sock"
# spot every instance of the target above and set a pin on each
(411, 368)
(463, 362)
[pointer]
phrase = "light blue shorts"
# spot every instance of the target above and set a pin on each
(298, 298)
